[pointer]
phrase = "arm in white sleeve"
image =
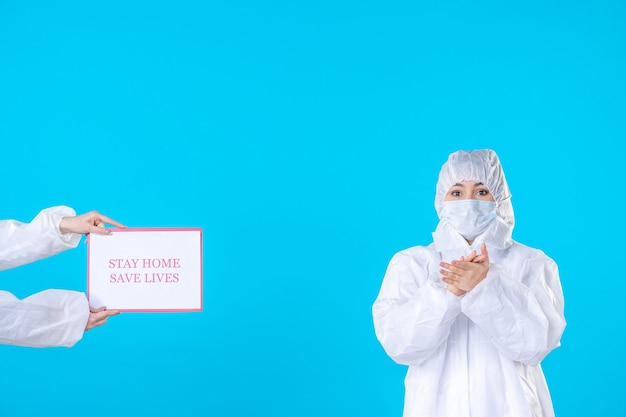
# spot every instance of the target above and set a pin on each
(524, 319)
(48, 318)
(23, 243)
(412, 314)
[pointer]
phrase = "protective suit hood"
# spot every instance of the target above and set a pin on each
(478, 166)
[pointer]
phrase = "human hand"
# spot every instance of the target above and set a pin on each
(463, 275)
(99, 316)
(92, 222)
(474, 257)
(454, 290)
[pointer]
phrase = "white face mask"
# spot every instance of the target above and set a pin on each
(469, 217)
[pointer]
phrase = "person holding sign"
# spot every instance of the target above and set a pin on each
(51, 317)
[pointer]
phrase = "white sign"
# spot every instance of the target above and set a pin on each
(146, 269)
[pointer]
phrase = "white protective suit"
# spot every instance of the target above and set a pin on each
(51, 317)
(478, 354)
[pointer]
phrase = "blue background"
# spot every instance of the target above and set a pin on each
(305, 138)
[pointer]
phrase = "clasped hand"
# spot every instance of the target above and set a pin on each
(464, 274)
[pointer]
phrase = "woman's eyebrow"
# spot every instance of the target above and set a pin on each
(458, 184)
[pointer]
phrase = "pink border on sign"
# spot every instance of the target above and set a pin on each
(154, 229)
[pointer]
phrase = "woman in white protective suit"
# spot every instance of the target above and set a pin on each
(473, 313)
(51, 317)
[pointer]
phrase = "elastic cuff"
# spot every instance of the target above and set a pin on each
(69, 239)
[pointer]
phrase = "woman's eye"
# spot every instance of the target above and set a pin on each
(482, 192)
(455, 193)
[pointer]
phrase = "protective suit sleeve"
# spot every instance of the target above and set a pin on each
(412, 313)
(23, 243)
(45, 319)
(524, 319)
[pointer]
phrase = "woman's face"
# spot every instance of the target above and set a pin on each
(465, 190)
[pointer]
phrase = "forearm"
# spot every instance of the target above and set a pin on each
(23, 243)
(48, 318)
(524, 327)
(411, 330)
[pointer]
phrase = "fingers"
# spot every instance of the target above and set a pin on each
(455, 266)
(102, 219)
(483, 250)
(99, 316)
(484, 255)
(474, 257)
(450, 272)
(469, 257)
(464, 275)
(91, 222)
(97, 223)
(99, 230)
